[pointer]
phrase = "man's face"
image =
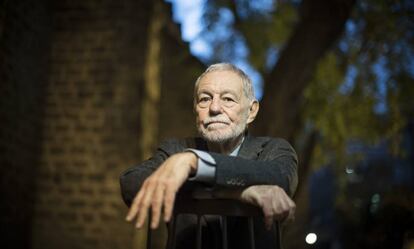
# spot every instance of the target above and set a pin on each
(221, 107)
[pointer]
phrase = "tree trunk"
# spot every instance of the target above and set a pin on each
(320, 25)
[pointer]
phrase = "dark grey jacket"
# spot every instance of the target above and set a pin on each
(261, 161)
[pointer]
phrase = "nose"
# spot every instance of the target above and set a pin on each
(215, 106)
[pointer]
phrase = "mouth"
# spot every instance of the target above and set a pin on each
(216, 124)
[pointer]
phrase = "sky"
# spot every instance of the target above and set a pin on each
(189, 14)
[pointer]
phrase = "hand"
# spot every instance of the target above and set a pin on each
(273, 200)
(158, 190)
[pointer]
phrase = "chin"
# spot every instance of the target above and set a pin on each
(216, 139)
(217, 136)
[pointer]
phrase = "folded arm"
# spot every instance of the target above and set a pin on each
(267, 181)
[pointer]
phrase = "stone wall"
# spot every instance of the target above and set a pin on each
(91, 123)
(71, 87)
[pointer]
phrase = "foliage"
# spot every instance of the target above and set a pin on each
(363, 87)
(248, 30)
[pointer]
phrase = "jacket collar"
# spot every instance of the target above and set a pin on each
(250, 148)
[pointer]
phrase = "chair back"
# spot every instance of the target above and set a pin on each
(199, 203)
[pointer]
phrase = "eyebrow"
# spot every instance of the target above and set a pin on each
(227, 91)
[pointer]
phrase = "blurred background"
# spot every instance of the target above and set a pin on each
(88, 88)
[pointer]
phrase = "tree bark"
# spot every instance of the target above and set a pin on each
(320, 25)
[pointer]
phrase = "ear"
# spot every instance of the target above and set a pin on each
(253, 110)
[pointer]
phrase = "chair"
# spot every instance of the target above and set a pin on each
(199, 202)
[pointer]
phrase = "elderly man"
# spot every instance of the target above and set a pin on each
(258, 170)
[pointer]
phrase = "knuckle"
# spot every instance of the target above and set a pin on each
(167, 182)
(162, 181)
(156, 203)
(145, 183)
(280, 211)
(285, 212)
(144, 204)
(268, 215)
(169, 198)
(136, 200)
(172, 189)
(151, 181)
(266, 199)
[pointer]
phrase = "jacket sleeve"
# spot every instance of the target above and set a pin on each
(275, 165)
(132, 179)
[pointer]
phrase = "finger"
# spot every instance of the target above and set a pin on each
(292, 211)
(169, 200)
(268, 222)
(281, 211)
(268, 216)
(288, 205)
(156, 205)
(133, 210)
(284, 208)
(144, 205)
(142, 216)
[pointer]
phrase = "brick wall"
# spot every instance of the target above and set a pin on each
(91, 123)
(71, 84)
(24, 46)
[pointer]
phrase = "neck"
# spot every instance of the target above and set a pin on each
(225, 147)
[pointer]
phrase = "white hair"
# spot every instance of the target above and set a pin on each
(247, 82)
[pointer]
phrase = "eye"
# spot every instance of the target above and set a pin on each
(228, 99)
(203, 99)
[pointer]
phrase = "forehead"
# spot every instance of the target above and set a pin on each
(221, 81)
